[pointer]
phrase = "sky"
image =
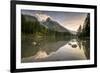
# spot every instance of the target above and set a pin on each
(69, 20)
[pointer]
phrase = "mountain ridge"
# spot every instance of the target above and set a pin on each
(48, 24)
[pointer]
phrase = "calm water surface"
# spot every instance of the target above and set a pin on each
(41, 49)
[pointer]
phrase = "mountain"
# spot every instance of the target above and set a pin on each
(30, 18)
(31, 22)
(28, 23)
(53, 25)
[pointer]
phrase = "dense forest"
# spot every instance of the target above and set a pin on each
(35, 34)
(85, 31)
(31, 25)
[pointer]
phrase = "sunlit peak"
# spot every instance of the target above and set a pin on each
(42, 17)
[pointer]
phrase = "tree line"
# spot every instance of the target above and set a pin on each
(85, 31)
(34, 27)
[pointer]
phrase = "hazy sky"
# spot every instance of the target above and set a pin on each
(70, 20)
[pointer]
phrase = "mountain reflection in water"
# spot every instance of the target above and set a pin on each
(73, 49)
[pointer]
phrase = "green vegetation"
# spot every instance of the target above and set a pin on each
(33, 32)
(30, 25)
(34, 35)
(85, 32)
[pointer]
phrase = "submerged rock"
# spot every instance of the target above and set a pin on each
(34, 43)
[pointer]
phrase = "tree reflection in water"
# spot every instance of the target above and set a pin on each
(58, 50)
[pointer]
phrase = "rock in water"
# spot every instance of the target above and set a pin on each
(74, 45)
(34, 43)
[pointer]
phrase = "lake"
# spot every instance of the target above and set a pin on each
(51, 48)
